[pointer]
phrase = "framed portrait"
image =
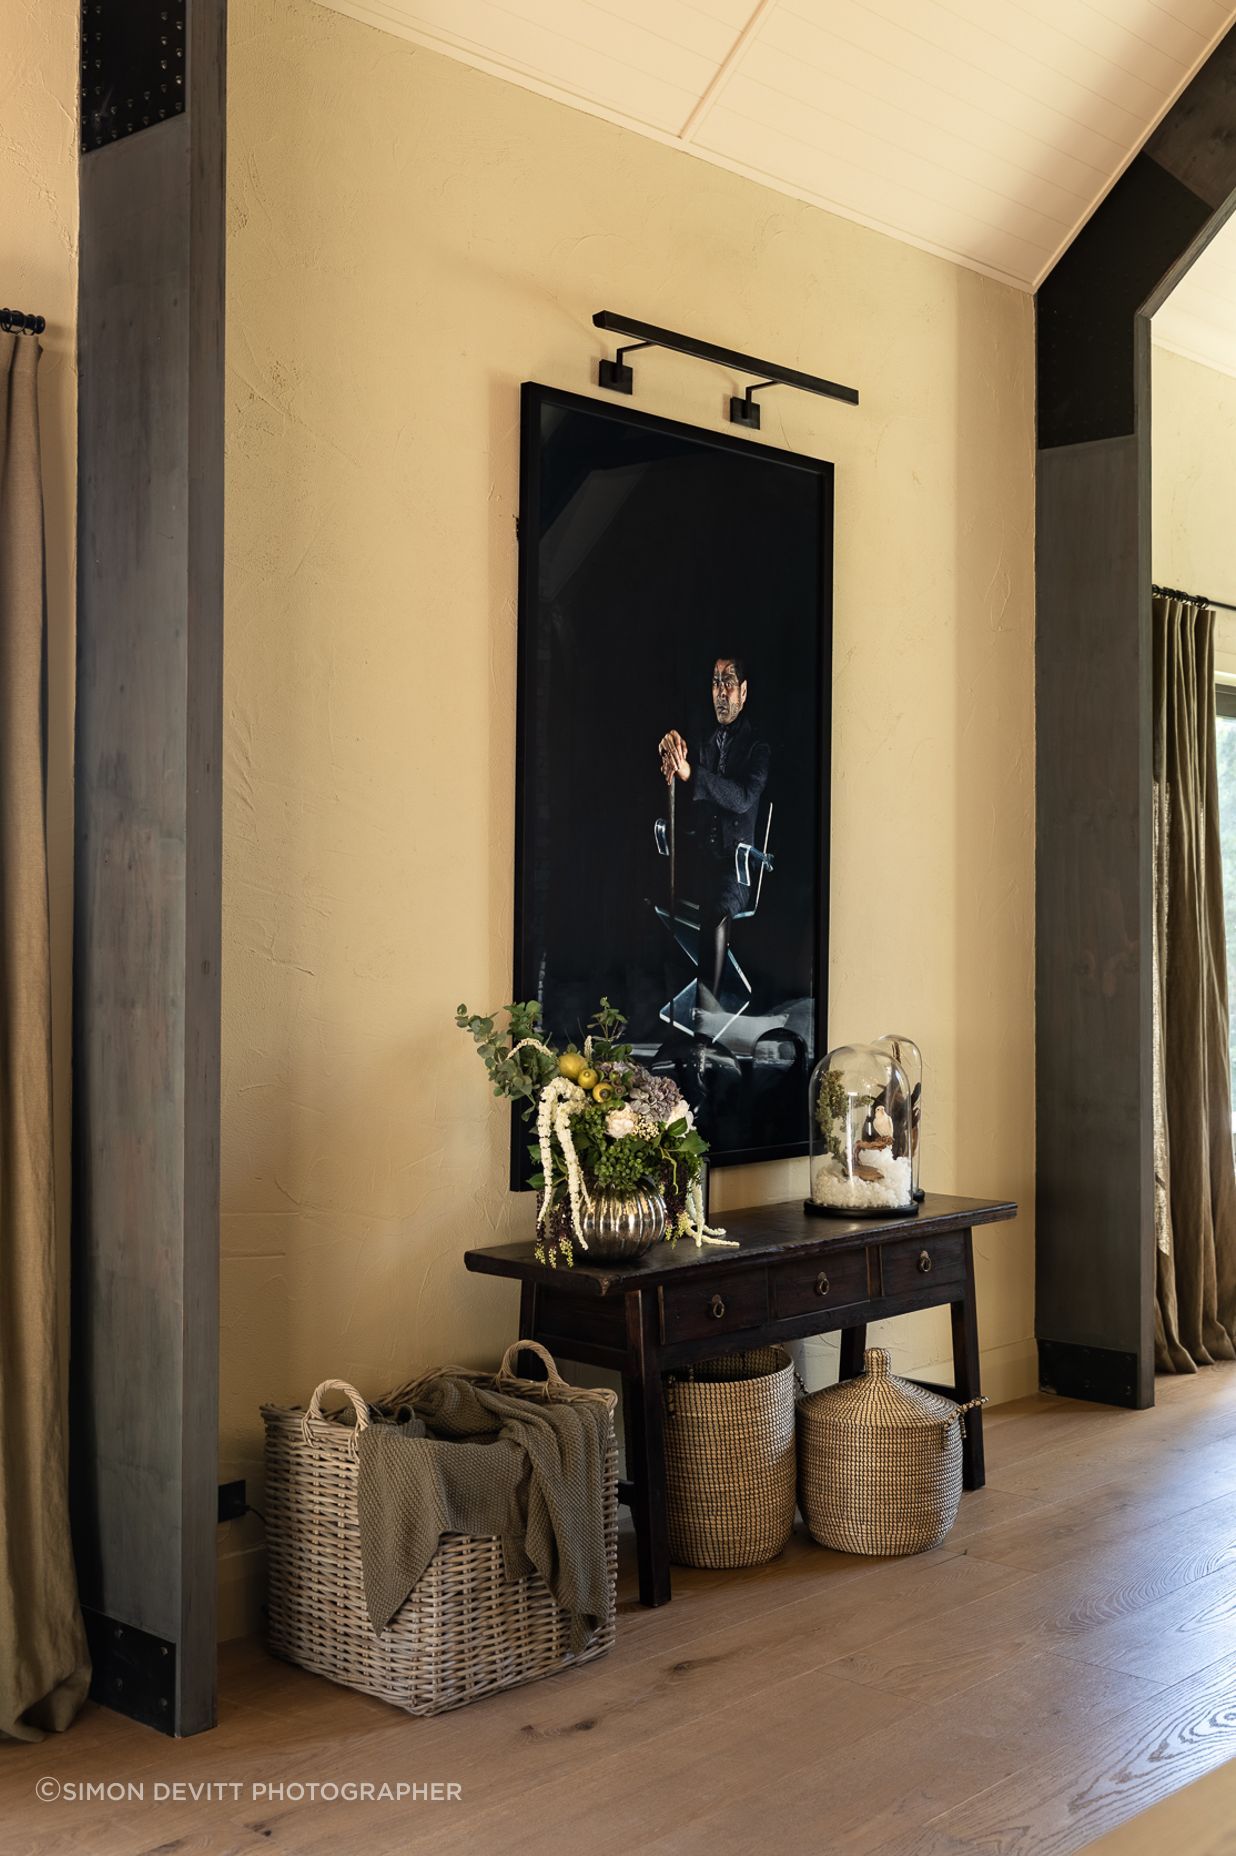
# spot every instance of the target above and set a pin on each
(672, 781)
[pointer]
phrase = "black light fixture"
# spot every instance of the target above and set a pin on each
(744, 411)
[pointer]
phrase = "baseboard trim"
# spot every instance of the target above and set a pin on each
(1101, 1374)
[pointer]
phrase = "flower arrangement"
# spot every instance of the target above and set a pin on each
(602, 1121)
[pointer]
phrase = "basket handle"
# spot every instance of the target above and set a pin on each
(553, 1377)
(958, 1417)
(314, 1413)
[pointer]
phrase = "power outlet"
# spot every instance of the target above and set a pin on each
(232, 1502)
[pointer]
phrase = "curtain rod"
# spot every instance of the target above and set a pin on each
(1193, 599)
(17, 322)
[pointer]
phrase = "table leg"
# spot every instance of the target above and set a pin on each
(527, 1365)
(853, 1349)
(966, 1373)
(645, 1429)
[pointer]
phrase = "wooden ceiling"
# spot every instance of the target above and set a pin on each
(985, 130)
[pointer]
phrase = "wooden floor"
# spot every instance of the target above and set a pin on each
(1065, 1660)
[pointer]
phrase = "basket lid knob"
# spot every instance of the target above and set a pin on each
(878, 1362)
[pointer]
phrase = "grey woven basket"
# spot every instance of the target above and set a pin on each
(879, 1463)
(466, 1630)
(729, 1459)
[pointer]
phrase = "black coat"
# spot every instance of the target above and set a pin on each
(728, 777)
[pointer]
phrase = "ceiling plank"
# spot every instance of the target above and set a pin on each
(720, 81)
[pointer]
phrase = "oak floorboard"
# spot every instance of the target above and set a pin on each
(1198, 1821)
(1177, 1637)
(916, 1767)
(1057, 1806)
(1156, 1590)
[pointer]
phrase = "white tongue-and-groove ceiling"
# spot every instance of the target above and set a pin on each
(1198, 319)
(985, 130)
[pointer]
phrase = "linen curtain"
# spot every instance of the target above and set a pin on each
(1195, 1179)
(44, 1667)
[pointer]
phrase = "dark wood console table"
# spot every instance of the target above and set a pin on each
(792, 1275)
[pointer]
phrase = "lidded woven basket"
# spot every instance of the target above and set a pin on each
(879, 1462)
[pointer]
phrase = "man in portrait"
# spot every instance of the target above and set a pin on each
(724, 778)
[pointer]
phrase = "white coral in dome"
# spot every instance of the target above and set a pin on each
(829, 1186)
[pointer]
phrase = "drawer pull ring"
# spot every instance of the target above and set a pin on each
(716, 1308)
(821, 1284)
(924, 1263)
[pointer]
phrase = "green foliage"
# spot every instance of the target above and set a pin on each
(606, 1027)
(520, 1077)
(621, 1164)
(831, 1103)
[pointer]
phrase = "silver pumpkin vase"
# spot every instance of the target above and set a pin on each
(621, 1225)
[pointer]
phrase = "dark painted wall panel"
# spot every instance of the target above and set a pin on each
(130, 880)
(1095, 1205)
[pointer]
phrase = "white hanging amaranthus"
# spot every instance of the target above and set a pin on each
(560, 1100)
(692, 1224)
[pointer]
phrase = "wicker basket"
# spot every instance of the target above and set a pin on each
(879, 1463)
(729, 1459)
(465, 1630)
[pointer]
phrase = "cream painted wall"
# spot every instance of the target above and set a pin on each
(1193, 487)
(410, 239)
(38, 273)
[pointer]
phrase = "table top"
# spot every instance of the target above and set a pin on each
(764, 1233)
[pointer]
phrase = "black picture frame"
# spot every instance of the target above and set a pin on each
(535, 401)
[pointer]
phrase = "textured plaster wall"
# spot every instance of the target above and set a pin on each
(410, 239)
(1193, 480)
(38, 273)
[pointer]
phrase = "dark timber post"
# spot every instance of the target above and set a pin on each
(1095, 1193)
(144, 1377)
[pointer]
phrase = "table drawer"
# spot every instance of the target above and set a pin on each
(820, 1283)
(722, 1305)
(925, 1263)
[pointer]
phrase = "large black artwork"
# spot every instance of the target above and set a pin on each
(675, 635)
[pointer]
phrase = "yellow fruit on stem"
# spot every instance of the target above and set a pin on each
(587, 1078)
(602, 1092)
(571, 1064)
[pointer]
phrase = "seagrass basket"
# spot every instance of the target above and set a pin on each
(879, 1463)
(729, 1459)
(465, 1630)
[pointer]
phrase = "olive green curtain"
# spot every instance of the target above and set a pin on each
(1195, 1180)
(44, 1670)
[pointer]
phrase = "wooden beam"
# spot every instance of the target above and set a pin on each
(1094, 1236)
(144, 1380)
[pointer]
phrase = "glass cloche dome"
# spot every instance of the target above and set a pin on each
(861, 1134)
(906, 1054)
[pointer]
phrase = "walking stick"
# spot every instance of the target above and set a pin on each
(673, 857)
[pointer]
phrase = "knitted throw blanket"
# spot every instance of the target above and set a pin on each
(476, 1461)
